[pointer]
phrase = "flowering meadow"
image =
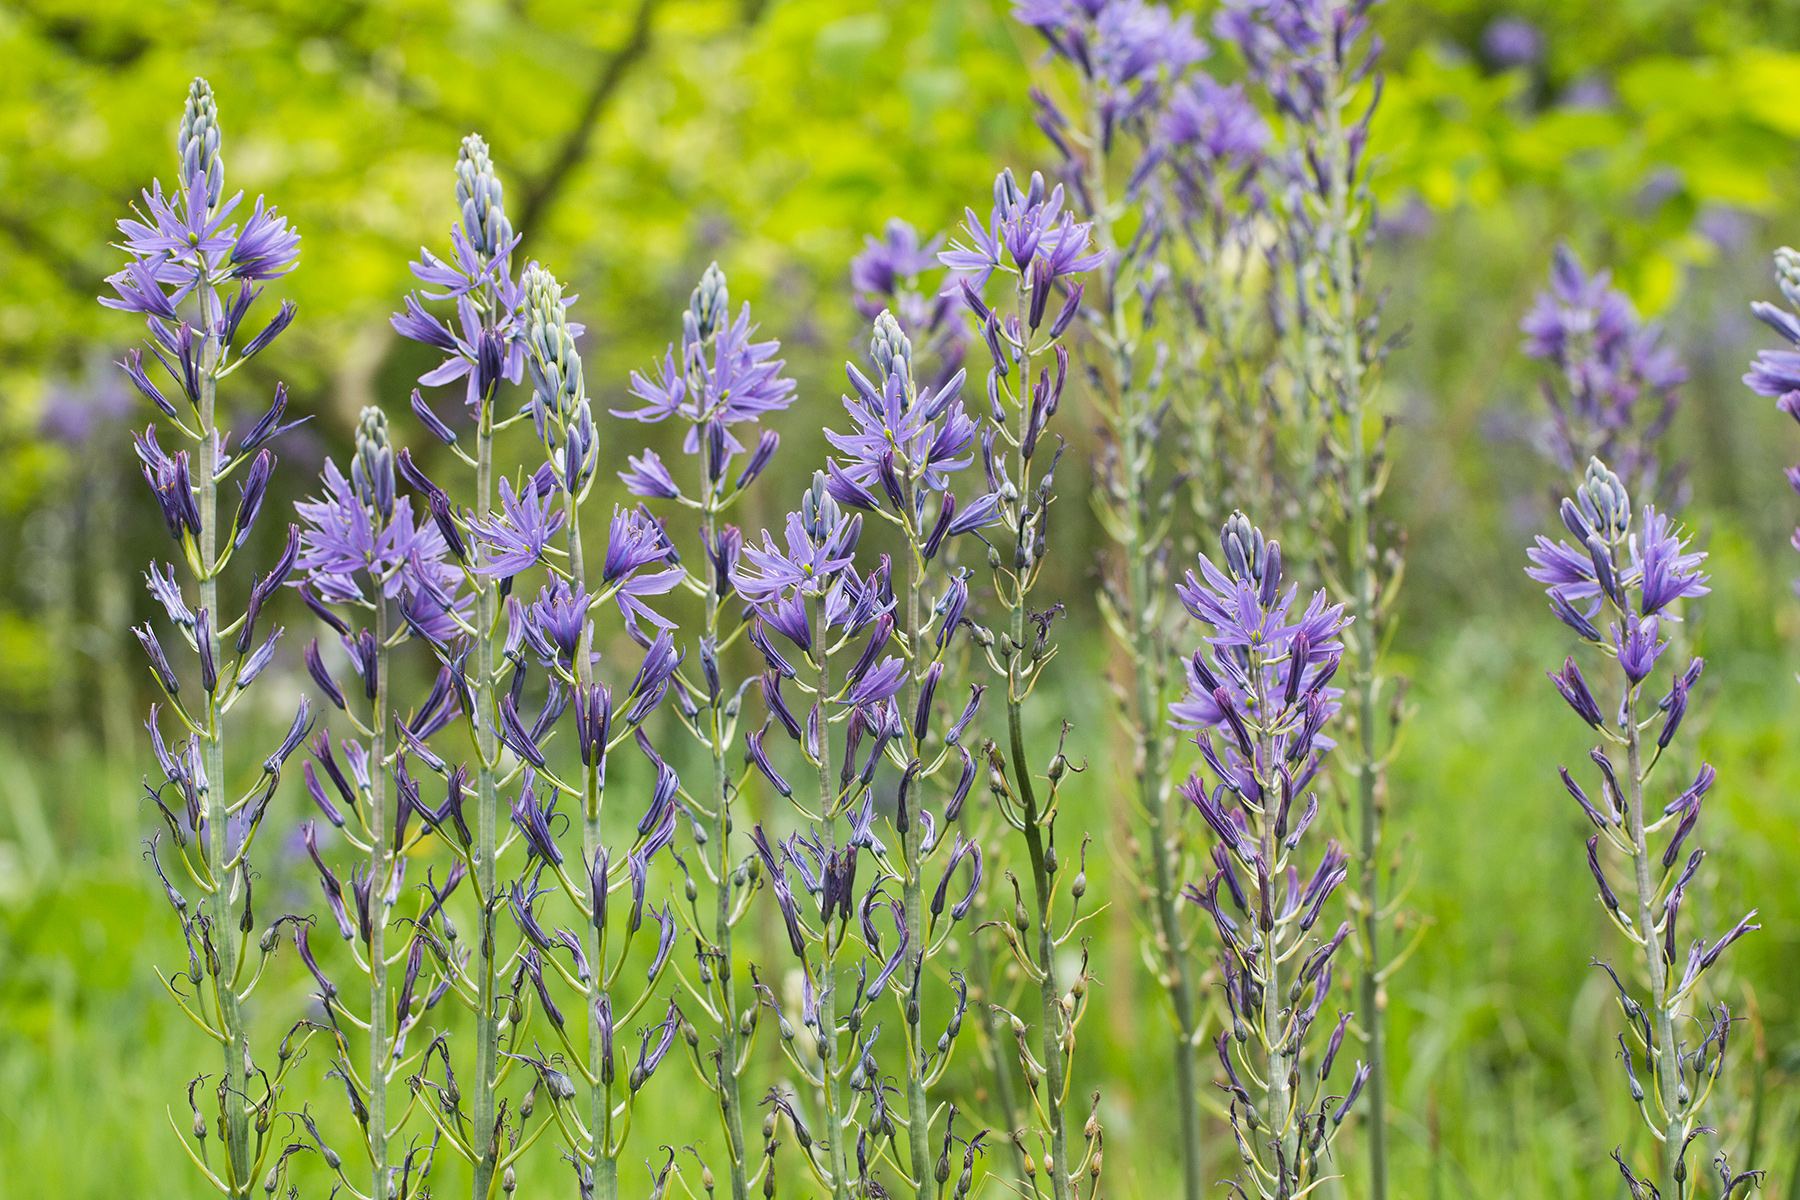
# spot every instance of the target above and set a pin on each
(1053, 598)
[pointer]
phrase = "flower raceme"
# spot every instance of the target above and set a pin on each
(194, 274)
(1635, 572)
(1776, 373)
(1259, 697)
(739, 383)
(1615, 390)
(488, 343)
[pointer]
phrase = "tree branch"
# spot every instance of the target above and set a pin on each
(542, 192)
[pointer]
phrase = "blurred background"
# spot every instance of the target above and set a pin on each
(640, 140)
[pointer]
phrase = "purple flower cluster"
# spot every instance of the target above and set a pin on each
(1615, 390)
(1653, 571)
(1127, 49)
(488, 343)
(360, 541)
(1027, 233)
(1294, 48)
(1636, 581)
(194, 275)
(811, 594)
(1264, 693)
(739, 382)
(906, 443)
(887, 276)
(1776, 373)
(1248, 614)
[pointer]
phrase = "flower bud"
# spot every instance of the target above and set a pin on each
(710, 301)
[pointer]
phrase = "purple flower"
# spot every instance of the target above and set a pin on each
(1123, 46)
(167, 592)
(516, 539)
(1215, 121)
(821, 542)
(1023, 228)
(1614, 395)
(649, 477)
(182, 245)
(1248, 615)
(926, 435)
(893, 259)
(267, 248)
(882, 682)
(1574, 689)
(1777, 372)
(487, 348)
(741, 382)
(557, 618)
(635, 541)
(344, 537)
(1512, 42)
(168, 477)
(1662, 572)
(1637, 646)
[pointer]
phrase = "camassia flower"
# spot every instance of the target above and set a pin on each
(346, 537)
(1615, 391)
(887, 263)
(741, 381)
(1654, 570)
(1248, 614)
(194, 274)
(516, 539)
(924, 433)
(1124, 47)
(1635, 586)
(488, 343)
(821, 546)
(1027, 232)
(890, 275)
(1215, 122)
(1264, 693)
(1776, 373)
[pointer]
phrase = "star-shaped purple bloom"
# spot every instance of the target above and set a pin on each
(516, 538)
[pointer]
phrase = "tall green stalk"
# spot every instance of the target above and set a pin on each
(912, 889)
(731, 1112)
(606, 1163)
(227, 941)
(1135, 513)
(1348, 358)
(1026, 513)
(381, 865)
(1668, 1088)
(484, 1138)
(835, 1108)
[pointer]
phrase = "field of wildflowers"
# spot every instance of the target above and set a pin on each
(681, 655)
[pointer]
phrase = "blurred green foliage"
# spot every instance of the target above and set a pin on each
(640, 140)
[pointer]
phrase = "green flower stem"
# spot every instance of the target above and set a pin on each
(828, 1037)
(731, 1110)
(1662, 1024)
(487, 1017)
(911, 895)
(381, 865)
(218, 851)
(1042, 877)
